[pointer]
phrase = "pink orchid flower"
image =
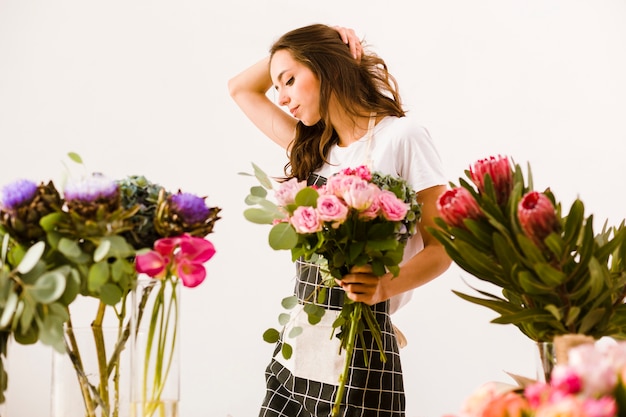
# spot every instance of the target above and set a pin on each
(185, 255)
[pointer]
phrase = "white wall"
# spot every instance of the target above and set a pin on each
(139, 87)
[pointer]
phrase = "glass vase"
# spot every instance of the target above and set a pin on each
(557, 352)
(155, 389)
(92, 379)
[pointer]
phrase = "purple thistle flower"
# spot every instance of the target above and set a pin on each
(17, 193)
(91, 189)
(190, 207)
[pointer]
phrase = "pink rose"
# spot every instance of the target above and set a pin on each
(286, 193)
(306, 220)
(392, 207)
(360, 194)
(339, 184)
(601, 407)
(331, 209)
(371, 212)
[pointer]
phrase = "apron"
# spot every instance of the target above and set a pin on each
(306, 384)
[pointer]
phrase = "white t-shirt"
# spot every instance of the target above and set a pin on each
(400, 147)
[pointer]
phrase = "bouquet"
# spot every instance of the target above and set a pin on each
(555, 274)
(83, 242)
(592, 383)
(356, 218)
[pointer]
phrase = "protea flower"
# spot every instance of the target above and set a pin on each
(499, 169)
(184, 213)
(22, 205)
(537, 217)
(456, 205)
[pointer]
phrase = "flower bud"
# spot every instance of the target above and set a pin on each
(92, 197)
(184, 213)
(456, 205)
(537, 217)
(499, 170)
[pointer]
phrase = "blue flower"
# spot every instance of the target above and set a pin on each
(91, 189)
(190, 207)
(17, 193)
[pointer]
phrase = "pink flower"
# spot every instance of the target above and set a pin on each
(457, 205)
(538, 393)
(360, 194)
(286, 192)
(601, 407)
(509, 404)
(568, 406)
(565, 379)
(331, 209)
(339, 184)
(185, 255)
(537, 217)
(362, 172)
(306, 220)
(499, 170)
(392, 208)
(371, 212)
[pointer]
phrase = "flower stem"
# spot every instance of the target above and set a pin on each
(355, 318)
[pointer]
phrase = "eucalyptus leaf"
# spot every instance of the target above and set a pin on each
(271, 335)
(283, 236)
(283, 319)
(9, 309)
(98, 276)
(289, 302)
(102, 251)
(31, 257)
(262, 177)
(295, 332)
(287, 350)
(110, 294)
(48, 288)
(259, 216)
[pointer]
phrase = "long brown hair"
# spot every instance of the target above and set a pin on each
(360, 87)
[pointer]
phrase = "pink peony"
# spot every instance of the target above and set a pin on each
(601, 407)
(569, 406)
(306, 220)
(509, 404)
(392, 208)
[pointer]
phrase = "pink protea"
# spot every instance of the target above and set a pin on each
(499, 169)
(457, 205)
(537, 217)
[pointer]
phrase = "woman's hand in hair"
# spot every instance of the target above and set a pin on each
(349, 37)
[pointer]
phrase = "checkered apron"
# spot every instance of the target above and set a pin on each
(376, 390)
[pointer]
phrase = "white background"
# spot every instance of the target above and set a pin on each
(139, 87)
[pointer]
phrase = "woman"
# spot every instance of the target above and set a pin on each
(343, 110)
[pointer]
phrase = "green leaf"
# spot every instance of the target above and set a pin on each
(102, 251)
(295, 331)
(9, 308)
(110, 294)
(69, 248)
(32, 256)
(51, 333)
(98, 276)
(283, 318)
(75, 157)
(271, 335)
(48, 288)
(258, 191)
(283, 236)
(307, 197)
(262, 177)
(287, 350)
(289, 302)
(548, 275)
(259, 216)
